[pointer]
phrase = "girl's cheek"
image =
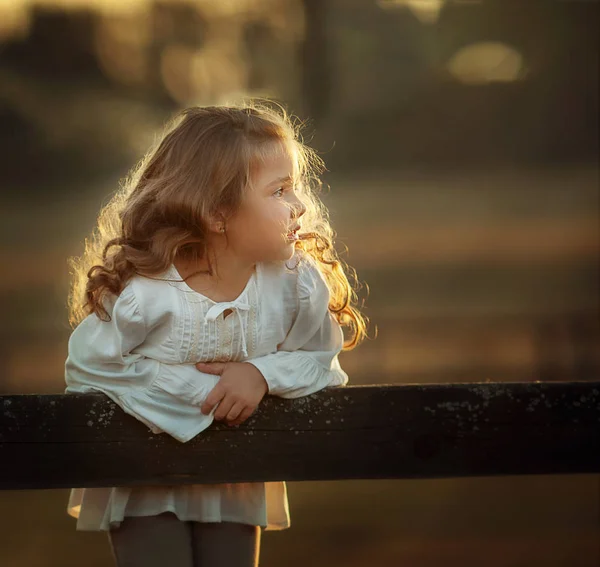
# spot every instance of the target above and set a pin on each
(277, 218)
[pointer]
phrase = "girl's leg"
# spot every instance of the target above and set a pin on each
(224, 544)
(152, 541)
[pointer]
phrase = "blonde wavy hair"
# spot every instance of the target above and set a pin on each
(201, 166)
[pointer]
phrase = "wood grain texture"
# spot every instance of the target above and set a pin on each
(355, 432)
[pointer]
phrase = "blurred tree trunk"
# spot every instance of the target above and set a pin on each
(315, 60)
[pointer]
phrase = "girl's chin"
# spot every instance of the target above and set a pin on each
(290, 249)
(282, 254)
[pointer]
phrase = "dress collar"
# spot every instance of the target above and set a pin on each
(197, 297)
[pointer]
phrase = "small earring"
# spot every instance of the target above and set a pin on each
(222, 229)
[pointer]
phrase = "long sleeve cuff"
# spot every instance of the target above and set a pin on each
(299, 373)
(172, 402)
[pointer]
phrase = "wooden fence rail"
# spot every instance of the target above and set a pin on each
(366, 432)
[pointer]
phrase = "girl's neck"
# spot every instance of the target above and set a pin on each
(229, 278)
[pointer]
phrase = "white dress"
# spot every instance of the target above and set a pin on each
(144, 360)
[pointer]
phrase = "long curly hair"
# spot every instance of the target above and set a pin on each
(200, 166)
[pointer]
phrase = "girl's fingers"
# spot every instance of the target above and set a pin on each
(235, 411)
(224, 408)
(211, 367)
(214, 397)
(246, 413)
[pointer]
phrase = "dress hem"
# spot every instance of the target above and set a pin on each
(116, 523)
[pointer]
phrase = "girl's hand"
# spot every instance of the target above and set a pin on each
(238, 392)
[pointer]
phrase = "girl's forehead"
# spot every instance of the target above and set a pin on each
(274, 165)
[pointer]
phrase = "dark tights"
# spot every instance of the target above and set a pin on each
(166, 541)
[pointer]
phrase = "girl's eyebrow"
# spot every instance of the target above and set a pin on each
(280, 180)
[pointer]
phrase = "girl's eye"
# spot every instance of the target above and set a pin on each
(279, 191)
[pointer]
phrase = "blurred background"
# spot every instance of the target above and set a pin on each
(461, 139)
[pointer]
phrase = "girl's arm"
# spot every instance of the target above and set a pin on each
(307, 360)
(165, 397)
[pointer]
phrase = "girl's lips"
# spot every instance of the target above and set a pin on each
(293, 234)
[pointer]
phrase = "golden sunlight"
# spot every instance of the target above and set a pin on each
(486, 62)
(426, 11)
(14, 20)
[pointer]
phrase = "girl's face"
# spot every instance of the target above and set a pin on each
(262, 230)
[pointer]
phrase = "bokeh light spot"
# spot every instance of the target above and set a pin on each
(486, 62)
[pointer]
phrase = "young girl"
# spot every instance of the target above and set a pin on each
(211, 281)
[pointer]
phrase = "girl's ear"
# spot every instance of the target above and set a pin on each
(216, 223)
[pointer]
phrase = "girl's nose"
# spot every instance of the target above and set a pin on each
(298, 209)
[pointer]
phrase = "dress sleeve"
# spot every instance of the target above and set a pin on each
(307, 360)
(102, 358)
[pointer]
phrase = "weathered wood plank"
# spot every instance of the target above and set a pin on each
(368, 432)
